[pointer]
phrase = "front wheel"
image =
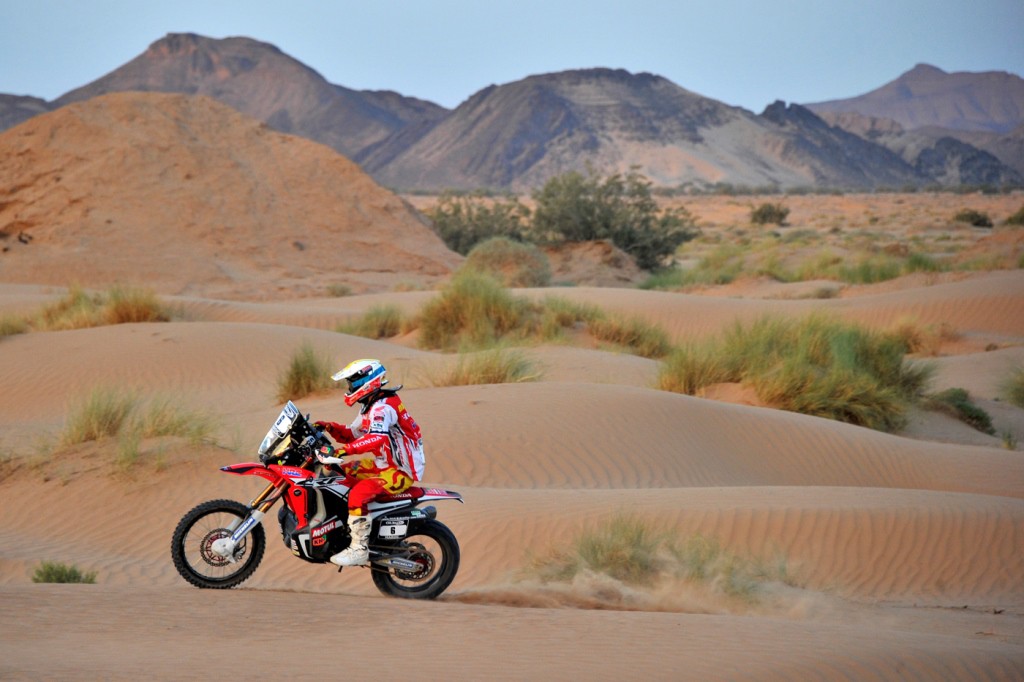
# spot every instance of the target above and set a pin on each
(434, 550)
(192, 545)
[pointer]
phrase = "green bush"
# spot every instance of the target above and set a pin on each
(816, 365)
(57, 572)
(573, 207)
(307, 373)
(973, 217)
(769, 214)
(515, 264)
(1016, 218)
(464, 220)
(958, 403)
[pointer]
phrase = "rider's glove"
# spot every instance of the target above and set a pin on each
(326, 455)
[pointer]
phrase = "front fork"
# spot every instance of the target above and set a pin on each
(260, 505)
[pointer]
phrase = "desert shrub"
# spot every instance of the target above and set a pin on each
(870, 270)
(80, 309)
(464, 220)
(473, 311)
(58, 572)
(957, 402)
(973, 217)
(634, 552)
(101, 414)
(574, 207)
(338, 290)
(515, 264)
(12, 324)
(307, 373)
(129, 304)
(1016, 218)
(495, 366)
(164, 416)
(1012, 386)
(769, 214)
(642, 337)
(816, 365)
(721, 266)
(378, 322)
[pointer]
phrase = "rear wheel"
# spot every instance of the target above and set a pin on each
(434, 553)
(192, 545)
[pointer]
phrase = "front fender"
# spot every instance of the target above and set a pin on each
(253, 469)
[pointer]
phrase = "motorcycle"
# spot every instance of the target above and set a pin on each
(220, 543)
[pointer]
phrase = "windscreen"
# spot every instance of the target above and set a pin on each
(279, 431)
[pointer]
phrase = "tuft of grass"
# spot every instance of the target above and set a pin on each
(339, 290)
(307, 373)
(642, 337)
(973, 217)
(101, 414)
(58, 572)
(1012, 386)
(924, 340)
(769, 214)
(957, 402)
(378, 322)
(816, 365)
(634, 552)
(473, 311)
(496, 366)
(119, 305)
(12, 324)
(513, 263)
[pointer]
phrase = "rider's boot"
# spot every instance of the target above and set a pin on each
(357, 553)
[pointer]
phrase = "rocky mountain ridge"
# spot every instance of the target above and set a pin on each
(516, 135)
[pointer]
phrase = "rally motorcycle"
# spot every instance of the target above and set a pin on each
(219, 543)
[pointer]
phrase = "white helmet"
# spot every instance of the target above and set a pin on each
(364, 377)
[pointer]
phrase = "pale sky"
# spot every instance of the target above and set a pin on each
(742, 52)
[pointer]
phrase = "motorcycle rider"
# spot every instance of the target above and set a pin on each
(387, 434)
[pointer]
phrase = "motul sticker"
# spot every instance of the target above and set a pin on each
(320, 531)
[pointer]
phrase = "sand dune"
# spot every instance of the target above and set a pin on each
(879, 534)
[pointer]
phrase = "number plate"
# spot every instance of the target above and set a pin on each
(396, 528)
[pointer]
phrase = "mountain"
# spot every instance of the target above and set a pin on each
(192, 197)
(991, 101)
(16, 108)
(516, 136)
(259, 80)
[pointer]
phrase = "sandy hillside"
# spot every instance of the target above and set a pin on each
(902, 554)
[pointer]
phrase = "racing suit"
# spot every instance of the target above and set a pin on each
(387, 432)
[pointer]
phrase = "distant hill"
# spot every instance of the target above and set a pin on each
(516, 136)
(258, 79)
(191, 197)
(991, 101)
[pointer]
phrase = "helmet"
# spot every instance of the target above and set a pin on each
(365, 377)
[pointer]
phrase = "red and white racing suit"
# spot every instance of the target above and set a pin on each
(385, 429)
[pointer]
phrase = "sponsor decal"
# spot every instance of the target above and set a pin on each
(292, 473)
(322, 530)
(317, 542)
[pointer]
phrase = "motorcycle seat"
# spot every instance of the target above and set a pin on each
(413, 493)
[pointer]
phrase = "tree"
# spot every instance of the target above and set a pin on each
(573, 207)
(464, 220)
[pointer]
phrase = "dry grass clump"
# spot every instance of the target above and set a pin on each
(119, 305)
(513, 263)
(924, 340)
(634, 552)
(378, 322)
(1012, 387)
(58, 572)
(475, 312)
(12, 324)
(307, 372)
(816, 365)
(114, 413)
(496, 366)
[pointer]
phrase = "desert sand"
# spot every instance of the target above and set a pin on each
(905, 550)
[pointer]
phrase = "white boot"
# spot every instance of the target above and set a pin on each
(357, 553)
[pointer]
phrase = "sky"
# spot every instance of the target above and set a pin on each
(745, 53)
